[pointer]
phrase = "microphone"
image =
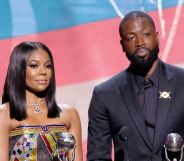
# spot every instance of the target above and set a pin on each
(123, 135)
(174, 147)
(64, 144)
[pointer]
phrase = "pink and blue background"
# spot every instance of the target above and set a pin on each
(83, 37)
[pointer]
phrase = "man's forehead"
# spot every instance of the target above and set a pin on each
(133, 16)
(136, 22)
(136, 18)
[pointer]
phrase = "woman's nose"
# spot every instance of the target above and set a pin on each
(43, 70)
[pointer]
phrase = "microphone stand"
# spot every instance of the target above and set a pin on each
(123, 135)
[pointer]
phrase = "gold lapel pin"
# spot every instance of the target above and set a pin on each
(165, 94)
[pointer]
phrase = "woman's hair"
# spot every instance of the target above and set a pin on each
(15, 83)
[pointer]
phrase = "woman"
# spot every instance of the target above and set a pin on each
(30, 119)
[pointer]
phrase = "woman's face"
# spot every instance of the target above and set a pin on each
(38, 71)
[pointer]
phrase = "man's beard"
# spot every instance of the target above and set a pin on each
(142, 65)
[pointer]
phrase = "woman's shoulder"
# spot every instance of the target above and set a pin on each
(68, 110)
(70, 116)
(66, 107)
(3, 106)
(4, 109)
(4, 114)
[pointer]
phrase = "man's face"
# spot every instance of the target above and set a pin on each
(140, 42)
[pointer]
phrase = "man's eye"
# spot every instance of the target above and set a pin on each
(130, 38)
(147, 34)
(33, 65)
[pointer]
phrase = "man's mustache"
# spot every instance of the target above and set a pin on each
(140, 49)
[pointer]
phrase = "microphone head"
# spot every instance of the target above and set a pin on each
(65, 141)
(174, 142)
(123, 133)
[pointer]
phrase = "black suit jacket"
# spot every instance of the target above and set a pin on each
(113, 106)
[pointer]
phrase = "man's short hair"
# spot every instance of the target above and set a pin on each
(135, 14)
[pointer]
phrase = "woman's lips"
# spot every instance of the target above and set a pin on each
(41, 81)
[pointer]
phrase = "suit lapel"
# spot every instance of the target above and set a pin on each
(127, 93)
(163, 103)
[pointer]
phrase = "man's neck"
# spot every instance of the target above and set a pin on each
(152, 69)
(144, 72)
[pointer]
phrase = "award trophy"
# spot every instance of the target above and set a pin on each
(65, 144)
(173, 147)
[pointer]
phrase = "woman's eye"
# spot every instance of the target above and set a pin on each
(49, 66)
(33, 65)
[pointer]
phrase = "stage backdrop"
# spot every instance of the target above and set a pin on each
(83, 37)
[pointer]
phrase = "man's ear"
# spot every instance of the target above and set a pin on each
(122, 45)
(158, 37)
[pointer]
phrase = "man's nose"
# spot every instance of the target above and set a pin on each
(140, 41)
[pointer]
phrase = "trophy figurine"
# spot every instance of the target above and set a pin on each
(173, 147)
(65, 144)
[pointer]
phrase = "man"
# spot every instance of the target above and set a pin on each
(140, 106)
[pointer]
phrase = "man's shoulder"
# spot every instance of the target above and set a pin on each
(173, 72)
(178, 69)
(113, 81)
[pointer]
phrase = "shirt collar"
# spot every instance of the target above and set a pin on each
(139, 80)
